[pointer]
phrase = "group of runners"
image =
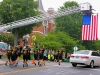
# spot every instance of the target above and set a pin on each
(13, 56)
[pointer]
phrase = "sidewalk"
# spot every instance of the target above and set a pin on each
(2, 62)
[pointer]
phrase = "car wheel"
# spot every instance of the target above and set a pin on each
(92, 64)
(74, 64)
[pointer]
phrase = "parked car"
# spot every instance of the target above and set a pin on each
(85, 57)
(3, 46)
(1, 54)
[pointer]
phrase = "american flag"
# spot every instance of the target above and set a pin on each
(90, 27)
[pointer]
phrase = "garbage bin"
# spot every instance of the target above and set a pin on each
(66, 59)
(32, 56)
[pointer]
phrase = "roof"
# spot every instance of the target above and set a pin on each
(40, 4)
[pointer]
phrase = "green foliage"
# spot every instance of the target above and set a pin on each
(56, 40)
(13, 10)
(7, 37)
(72, 25)
(92, 45)
(51, 45)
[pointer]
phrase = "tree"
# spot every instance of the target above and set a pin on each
(70, 24)
(67, 41)
(92, 45)
(9, 38)
(56, 40)
(13, 10)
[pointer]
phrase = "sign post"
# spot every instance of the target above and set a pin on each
(75, 49)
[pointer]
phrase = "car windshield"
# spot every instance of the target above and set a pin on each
(82, 52)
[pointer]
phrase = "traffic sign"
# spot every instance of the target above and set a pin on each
(75, 49)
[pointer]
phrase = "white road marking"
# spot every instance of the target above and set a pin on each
(59, 71)
(96, 69)
(61, 66)
(65, 72)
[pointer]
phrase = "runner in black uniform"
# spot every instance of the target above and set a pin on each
(56, 56)
(8, 53)
(25, 57)
(59, 56)
(35, 55)
(29, 52)
(44, 54)
(13, 58)
(18, 49)
(41, 57)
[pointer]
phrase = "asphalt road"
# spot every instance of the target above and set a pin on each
(51, 68)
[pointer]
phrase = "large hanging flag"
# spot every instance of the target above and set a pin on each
(90, 27)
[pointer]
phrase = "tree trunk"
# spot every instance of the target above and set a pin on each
(15, 37)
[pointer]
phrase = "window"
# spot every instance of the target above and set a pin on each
(82, 52)
(97, 54)
(93, 54)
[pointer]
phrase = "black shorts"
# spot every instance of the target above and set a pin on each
(44, 58)
(29, 57)
(25, 57)
(13, 57)
(56, 57)
(40, 56)
(19, 54)
(60, 57)
(35, 56)
(9, 56)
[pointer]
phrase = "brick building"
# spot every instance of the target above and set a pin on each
(45, 27)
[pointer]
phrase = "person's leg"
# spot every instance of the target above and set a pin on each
(18, 58)
(44, 60)
(0, 56)
(13, 59)
(7, 62)
(40, 60)
(23, 61)
(60, 60)
(28, 56)
(35, 58)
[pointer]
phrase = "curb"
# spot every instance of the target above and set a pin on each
(2, 62)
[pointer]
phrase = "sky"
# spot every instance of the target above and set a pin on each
(57, 3)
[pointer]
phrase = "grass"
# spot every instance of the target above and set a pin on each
(4, 56)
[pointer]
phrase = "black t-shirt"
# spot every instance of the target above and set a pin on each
(29, 50)
(25, 51)
(8, 52)
(12, 51)
(35, 51)
(41, 51)
(60, 53)
(20, 49)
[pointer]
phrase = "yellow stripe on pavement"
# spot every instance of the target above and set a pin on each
(27, 69)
